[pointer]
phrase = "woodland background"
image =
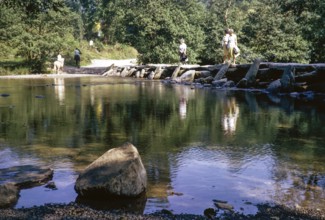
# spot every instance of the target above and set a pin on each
(35, 31)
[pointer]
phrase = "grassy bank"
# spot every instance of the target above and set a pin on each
(13, 66)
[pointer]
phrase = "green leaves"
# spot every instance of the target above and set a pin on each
(274, 38)
(155, 27)
(37, 29)
(277, 30)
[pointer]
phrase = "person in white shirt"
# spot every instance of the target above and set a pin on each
(60, 59)
(59, 63)
(182, 51)
(233, 50)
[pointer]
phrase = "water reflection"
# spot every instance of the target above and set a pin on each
(134, 205)
(59, 89)
(231, 113)
(182, 108)
(199, 144)
(184, 95)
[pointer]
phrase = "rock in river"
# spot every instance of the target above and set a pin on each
(118, 172)
(9, 195)
(13, 179)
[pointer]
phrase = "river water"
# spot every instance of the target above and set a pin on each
(197, 145)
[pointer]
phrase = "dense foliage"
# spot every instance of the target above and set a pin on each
(279, 31)
(37, 30)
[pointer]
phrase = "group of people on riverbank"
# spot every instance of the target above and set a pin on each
(229, 45)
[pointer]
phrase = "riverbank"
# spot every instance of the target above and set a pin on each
(75, 211)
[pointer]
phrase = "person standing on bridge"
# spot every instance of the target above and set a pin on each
(182, 52)
(233, 50)
(224, 44)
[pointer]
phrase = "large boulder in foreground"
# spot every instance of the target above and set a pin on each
(118, 172)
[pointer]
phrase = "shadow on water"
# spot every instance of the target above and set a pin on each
(128, 204)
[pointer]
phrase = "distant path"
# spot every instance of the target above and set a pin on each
(107, 63)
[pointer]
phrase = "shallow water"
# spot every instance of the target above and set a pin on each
(197, 145)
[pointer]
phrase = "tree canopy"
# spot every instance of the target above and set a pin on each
(274, 30)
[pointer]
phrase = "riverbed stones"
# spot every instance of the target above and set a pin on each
(118, 172)
(9, 195)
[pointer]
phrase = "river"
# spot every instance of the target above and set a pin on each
(197, 145)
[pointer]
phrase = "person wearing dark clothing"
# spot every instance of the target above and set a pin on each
(77, 57)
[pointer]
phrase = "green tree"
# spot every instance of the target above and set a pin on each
(10, 29)
(88, 11)
(310, 16)
(273, 38)
(215, 24)
(45, 28)
(155, 27)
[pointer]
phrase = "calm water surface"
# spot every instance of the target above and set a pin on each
(197, 145)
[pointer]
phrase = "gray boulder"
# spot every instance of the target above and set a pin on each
(219, 83)
(275, 86)
(188, 76)
(118, 172)
(151, 75)
(9, 195)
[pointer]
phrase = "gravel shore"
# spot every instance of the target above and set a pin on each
(76, 211)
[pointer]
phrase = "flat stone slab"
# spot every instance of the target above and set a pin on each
(26, 176)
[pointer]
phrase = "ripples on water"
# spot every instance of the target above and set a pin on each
(206, 173)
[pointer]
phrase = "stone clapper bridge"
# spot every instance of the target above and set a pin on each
(277, 78)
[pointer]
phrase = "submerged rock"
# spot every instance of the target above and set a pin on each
(118, 172)
(224, 206)
(13, 179)
(26, 176)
